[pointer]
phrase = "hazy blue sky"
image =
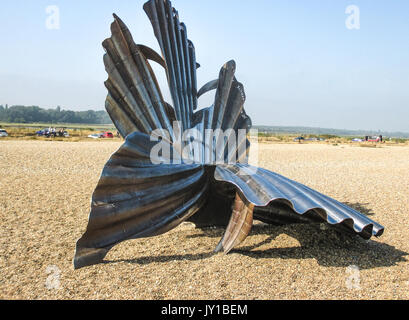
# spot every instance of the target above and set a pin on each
(298, 61)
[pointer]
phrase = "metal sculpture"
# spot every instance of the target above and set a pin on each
(140, 195)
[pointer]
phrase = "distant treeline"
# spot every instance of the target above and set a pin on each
(33, 114)
(327, 132)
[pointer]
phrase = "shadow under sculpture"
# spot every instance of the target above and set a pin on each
(142, 195)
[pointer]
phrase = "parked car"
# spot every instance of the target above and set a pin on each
(374, 139)
(107, 134)
(3, 133)
(42, 132)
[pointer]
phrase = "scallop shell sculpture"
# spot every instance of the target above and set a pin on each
(142, 193)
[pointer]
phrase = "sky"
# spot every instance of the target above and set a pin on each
(299, 60)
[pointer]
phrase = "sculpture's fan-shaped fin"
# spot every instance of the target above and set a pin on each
(262, 187)
(179, 54)
(226, 115)
(134, 100)
(135, 199)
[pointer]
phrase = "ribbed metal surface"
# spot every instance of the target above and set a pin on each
(134, 101)
(137, 198)
(265, 187)
(180, 57)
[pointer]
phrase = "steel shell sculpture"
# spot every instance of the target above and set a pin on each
(143, 195)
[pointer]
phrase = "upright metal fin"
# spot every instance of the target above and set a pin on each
(134, 100)
(180, 57)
